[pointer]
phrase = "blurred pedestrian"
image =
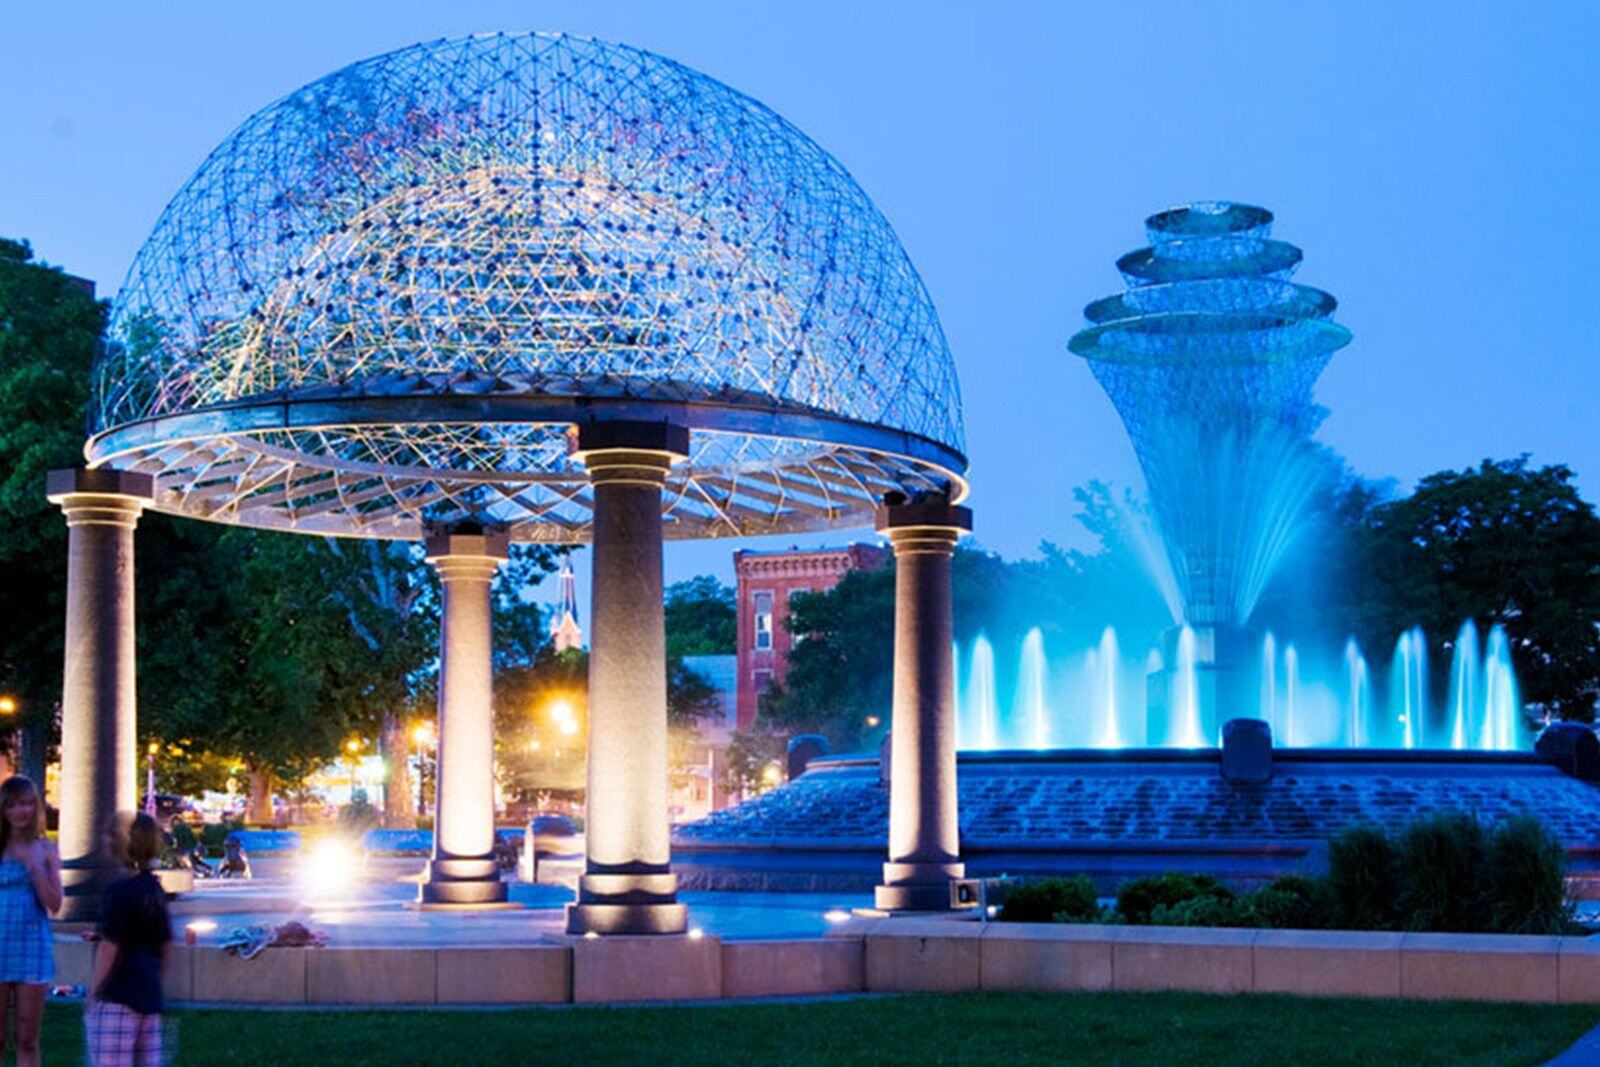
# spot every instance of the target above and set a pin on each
(123, 1017)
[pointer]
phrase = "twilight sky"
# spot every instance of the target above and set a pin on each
(1436, 162)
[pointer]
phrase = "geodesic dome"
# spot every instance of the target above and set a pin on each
(386, 299)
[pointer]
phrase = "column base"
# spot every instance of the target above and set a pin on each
(82, 890)
(645, 903)
(918, 887)
(458, 882)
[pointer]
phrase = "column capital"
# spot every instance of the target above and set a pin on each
(100, 495)
(932, 524)
(449, 544)
(640, 453)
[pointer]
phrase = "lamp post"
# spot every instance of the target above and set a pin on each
(352, 750)
(422, 736)
(150, 778)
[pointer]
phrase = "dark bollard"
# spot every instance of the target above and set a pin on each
(1573, 748)
(1246, 751)
(803, 748)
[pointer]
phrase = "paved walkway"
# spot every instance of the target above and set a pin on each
(376, 912)
(1586, 1053)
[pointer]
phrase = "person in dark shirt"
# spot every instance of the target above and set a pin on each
(123, 1019)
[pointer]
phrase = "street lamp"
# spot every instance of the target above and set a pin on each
(352, 749)
(562, 714)
(8, 705)
(150, 777)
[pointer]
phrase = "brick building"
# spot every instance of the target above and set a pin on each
(766, 581)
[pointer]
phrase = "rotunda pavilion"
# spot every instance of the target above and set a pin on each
(525, 288)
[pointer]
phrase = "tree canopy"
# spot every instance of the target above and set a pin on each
(49, 325)
(1502, 542)
(702, 618)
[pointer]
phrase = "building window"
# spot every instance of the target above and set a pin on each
(763, 612)
(796, 635)
(763, 681)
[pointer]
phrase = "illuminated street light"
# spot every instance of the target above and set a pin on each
(151, 751)
(8, 705)
(563, 716)
(422, 734)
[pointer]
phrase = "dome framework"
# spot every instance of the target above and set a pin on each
(384, 303)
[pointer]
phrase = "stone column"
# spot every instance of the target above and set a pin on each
(99, 758)
(628, 886)
(463, 872)
(924, 842)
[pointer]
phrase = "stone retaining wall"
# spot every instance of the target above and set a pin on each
(895, 956)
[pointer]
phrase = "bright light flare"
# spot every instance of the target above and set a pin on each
(563, 715)
(328, 868)
(836, 915)
(194, 930)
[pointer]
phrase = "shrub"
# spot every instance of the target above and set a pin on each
(1205, 910)
(358, 816)
(1136, 900)
(1051, 900)
(1441, 875)
(183, 839)
(212, 834)
(1363, 878)
(1524, 879)
(1294, 903)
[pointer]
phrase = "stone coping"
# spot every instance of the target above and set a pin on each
(986, 846)
(893, 955)
(907, 954)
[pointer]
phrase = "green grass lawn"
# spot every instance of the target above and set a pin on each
(1169, 1030)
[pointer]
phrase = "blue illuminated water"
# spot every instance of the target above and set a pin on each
(1038, 697)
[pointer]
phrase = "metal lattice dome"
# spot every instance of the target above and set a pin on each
(386, 299)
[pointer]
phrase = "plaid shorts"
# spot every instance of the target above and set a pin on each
(118, 1036)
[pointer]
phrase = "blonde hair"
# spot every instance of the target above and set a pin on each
(13, 790)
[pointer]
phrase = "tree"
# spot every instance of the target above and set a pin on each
(841, 664)
(245, 661)
(1503, 542)
(702, 618)
(384, 590)
(538, 749)
(49, 326)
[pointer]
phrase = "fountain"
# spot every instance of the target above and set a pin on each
(1102, 757)
(1310, 697)
(981, 709)
(1032, 708)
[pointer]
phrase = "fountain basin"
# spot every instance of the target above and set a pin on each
(1120, 814)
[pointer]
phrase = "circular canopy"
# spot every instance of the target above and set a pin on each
(385, 300)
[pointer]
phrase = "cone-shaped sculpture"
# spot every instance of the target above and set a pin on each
(1210, 357)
